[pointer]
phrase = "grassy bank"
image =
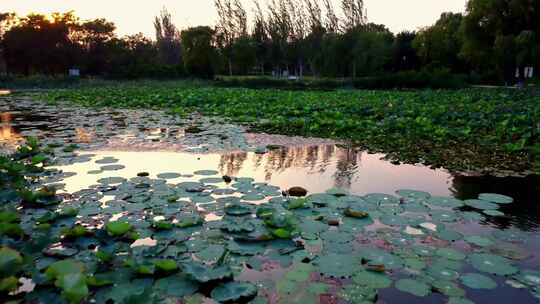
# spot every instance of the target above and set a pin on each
(482, 130)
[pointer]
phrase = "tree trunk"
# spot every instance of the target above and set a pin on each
(230, 67)
(354, 70)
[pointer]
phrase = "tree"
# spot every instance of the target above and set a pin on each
(167, 39)
(437, 45)
(36, 44)
(232, 25)
(404, 54)
(6, 21)
(260, 37)
(199, 51)
(490, 25)
(353, 13)
(244, 54)
(95, 37)
(331, 22)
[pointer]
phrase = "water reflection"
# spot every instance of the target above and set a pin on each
(319, 168)
(8, 135)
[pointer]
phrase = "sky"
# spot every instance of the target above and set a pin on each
(134, 16)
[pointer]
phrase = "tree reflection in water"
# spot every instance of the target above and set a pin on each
(316, 159)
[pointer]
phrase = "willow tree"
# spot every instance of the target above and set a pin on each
(232, 25)
(168, 39)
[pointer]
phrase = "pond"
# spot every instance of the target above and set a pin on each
(345, 242)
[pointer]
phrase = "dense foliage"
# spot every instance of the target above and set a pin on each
(472, 129)
(284, 37)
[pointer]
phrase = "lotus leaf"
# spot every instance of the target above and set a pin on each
(233, 291)
(413, 287)
(492, 264)
(477, 281)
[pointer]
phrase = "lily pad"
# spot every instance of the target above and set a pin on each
(481, 204)
(477, 281)
(372, 279)
(414, 287)
(169, 175)
(492, 264)
(204, 274)
(496, 198)
(206, 172)
(233, 291)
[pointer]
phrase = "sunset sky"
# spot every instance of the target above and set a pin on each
(133, 16)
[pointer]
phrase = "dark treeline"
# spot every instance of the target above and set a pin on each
(294, 37)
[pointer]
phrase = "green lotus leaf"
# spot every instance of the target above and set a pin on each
(166, 265)
(169, 175)
(493, 212)
(74, 287)
(118, 228)
(205, 274)
(439, 272)
(448, 288)
(414, 194)
(492, 264)
(371, 279)
(237, 209)
(175, 286)
(477, 281)
(8, 284)
(338, 265)
(450, 254)
(380, 198)
(64, 267)
(358, 294)
(10, 262)
(479, 240)
(445, 202)
(529, 277)
(206, 172)
(496, 198)
(246, 248)
(414, 287)
(481, 204)
(233, 291)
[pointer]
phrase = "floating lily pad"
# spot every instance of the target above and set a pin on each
(10, 261)
(338, 265)
(112, 167)
(206, 172)
(477, 281)
(414, 287)
(107, 160)
(169, 175)
(372, 279)
(450, 254)
(445, 202)
(175, 286)
(496, 198)
(480, 204)
(492, 264)
(379, 198)
(204, 274)
(233, 291)
(118, 228)
(414, 194)
(479, 240)
(448, 288)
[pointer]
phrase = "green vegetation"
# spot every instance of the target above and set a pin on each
(76, 252)
(281, 38)
(463, 130)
